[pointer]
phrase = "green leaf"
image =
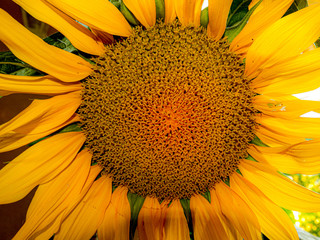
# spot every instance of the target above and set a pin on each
(116, 3)
(296, 6)
(160, 9)
(128, 15)
(204, 17)
(258, 142)
(74, 127)
(234, 30)
(136, 203)
(238, 11)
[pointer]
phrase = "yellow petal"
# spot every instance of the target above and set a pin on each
(274, 222)
(48, 227)
(176, 226)
(52, 198)
(99, 14)
(206, 222)
(231, 231)
(296, 75)
(287, 107)
(218, 11)
(33, 50)
(238, 212)
(170, 11)
(286, 38)
(40, 119)
(188, 11)
(274, 138)
(279, 189)
(46, 85)
(143, 10)
(38, 164)
(79, 36)
(85, 219)
(151, 220)
(298, 128)
(298, 158)
(116, 222)
(268, 12)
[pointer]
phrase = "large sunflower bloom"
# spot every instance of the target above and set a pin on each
(180, 129)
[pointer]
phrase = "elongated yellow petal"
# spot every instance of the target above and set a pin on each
(116, 222)
(85, 219)
(284, 39)
(38, 164)
(274, 138)
(299, 74)
(298, 128)
(274, 222)
(238, 212)
(35, 85)
(188, 11)
(231, 231)
(48, 227)
(170, 11)
(176, 226)
(33, 50)
(99, 14)
(151, 220)
(287, 107)
(143, 10)
(218, 11)
(41, 118)
(79, 36)
(52, 198)
(268, 12)
(206, 222)
(281, 190)
(298, 158)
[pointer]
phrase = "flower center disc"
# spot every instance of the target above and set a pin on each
(167, 112)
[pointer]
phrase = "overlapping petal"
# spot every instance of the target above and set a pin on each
(286, 107)
(45, 85)
(237, 212)
(296, 75)
(38, 164)
(33, 50)
(151, 220)
(279, 189)
(99, 14)
(79, 36)
(293, 159)
(268, 12)
(40, 119)
(52, 198)
(206, 222)
(85, 219)
(286, 38)
(274, 222)
(116, 222)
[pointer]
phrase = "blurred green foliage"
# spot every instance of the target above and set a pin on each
(308, 221)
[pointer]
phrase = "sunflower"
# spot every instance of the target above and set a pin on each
(168, 125)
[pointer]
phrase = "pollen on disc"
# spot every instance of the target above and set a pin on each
(168, 112)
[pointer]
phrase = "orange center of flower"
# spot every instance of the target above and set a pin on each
(167, 112)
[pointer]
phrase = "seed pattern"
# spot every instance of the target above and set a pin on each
(167, 111)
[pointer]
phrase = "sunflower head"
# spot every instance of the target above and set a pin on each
(165, 119)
